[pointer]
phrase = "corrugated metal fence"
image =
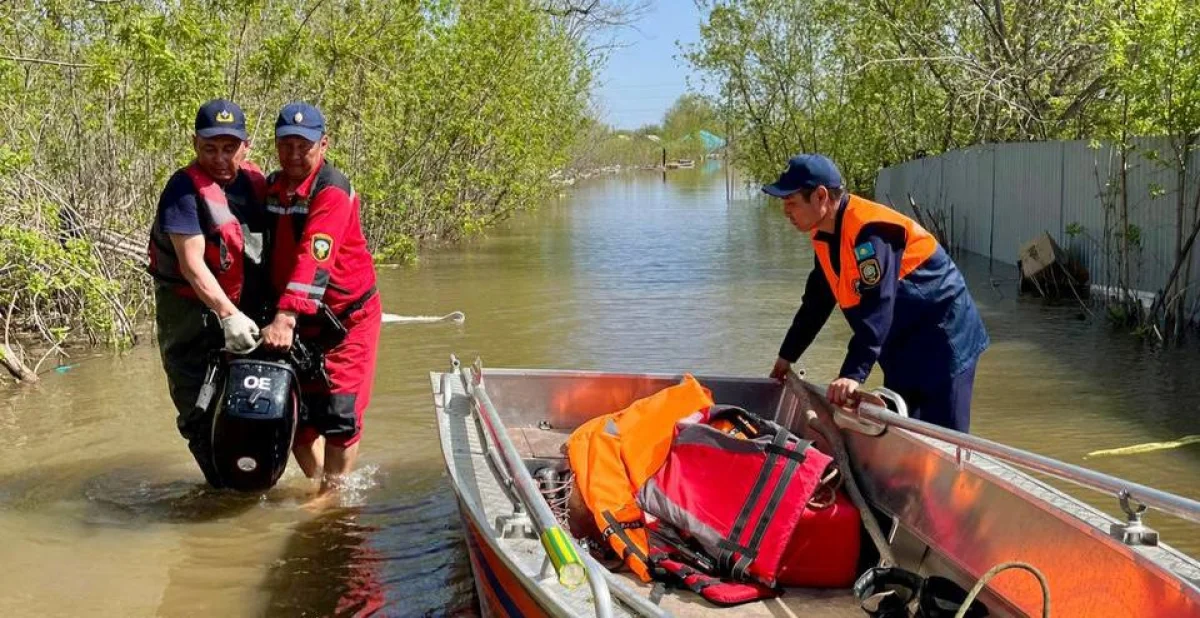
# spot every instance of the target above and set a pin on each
(999, 196)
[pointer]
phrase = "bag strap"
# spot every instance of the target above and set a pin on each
(663, 534)
(617, 528)
(736, 557)
(764, 518)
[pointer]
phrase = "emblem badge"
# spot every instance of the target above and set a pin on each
(298, 118)
(224, 117)
(869, 269)
(322, 247)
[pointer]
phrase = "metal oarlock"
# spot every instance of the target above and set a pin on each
(1133, 531)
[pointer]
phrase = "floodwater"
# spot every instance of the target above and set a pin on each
(102, 512)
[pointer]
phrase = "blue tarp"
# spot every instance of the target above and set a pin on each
(711, 142)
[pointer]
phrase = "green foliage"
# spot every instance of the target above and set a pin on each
(872, 83)
(682, 122)
(447, 115)
(51, 278)
(1132, 235)
(400, 250)
(1154, 65)
(1154, 62)
(601, 145)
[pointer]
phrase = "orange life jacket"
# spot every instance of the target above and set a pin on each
(613, 455)
(224, 239)
(855, 267)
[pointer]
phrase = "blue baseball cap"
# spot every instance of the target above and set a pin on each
(300, 119)
(807, 172)
(221, 117)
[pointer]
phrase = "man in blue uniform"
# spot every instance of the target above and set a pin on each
(205, 254)
(906, 303)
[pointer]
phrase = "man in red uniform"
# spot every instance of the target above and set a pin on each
(321, 268)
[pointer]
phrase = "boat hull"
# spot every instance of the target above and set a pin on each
(956, 513)
(502, 592)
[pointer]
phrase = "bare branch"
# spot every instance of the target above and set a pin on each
(57, 63)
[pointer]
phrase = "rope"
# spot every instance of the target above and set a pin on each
(843, 461)
(983, 581)
(826, 492)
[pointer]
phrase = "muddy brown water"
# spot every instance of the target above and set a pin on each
(102, 513)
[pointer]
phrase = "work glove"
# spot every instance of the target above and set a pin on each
(241, 333)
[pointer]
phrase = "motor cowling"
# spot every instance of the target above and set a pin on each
(254, 423)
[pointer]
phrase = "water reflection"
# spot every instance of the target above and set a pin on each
(328, 568)
(356, 561)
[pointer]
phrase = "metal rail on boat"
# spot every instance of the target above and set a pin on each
(1126, 490)
(524, 485)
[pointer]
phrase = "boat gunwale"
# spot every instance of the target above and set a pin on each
(475, 510)
(1077, 517)
(1065, 474)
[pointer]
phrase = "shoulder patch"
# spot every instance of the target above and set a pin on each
(864, 251)
(322, 247)
(869, 270)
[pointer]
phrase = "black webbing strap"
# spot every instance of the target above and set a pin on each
(701, 581)
(358, 303)
(785, 480)
(764, 475)
(799, 454)
(617, 528)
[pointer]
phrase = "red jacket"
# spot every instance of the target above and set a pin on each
(318, 254)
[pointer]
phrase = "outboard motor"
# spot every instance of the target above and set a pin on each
(254, 423)
(255, 405)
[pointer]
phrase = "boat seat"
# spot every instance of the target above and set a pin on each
(534, 443)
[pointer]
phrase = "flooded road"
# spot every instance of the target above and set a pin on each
(102, 512)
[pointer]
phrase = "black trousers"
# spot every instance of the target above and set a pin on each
(188, 336)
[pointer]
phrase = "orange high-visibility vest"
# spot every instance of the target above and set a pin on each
(613, 455)
(919, 246)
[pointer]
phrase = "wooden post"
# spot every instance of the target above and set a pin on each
(728, 187)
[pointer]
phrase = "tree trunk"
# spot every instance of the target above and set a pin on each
(1124, 197)
(1174, 318)
(12, 362)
